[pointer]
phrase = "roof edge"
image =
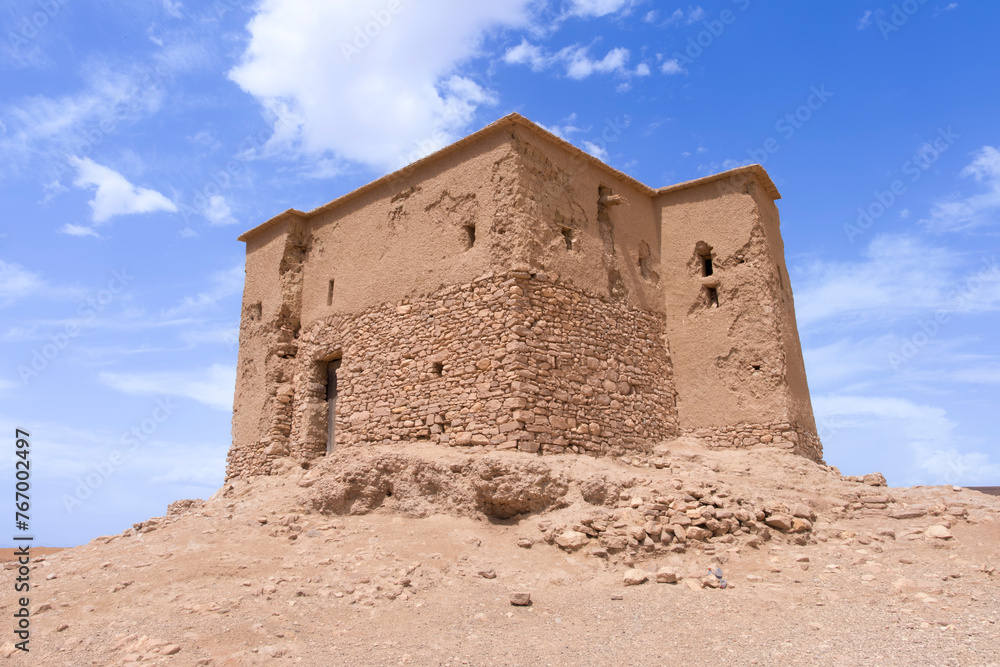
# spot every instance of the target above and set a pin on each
(510, 120)
(754, 169)
(271, 222)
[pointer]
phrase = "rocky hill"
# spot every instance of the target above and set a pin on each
(426, 555)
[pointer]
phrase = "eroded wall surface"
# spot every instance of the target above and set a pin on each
(737, 364)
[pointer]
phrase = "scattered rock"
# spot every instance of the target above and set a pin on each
(666, 575)
(520, 599)
(780, 521)
(940, 532)
(571, 539)
(693, 584)
(635, 577)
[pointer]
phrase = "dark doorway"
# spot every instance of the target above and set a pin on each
(331, 403)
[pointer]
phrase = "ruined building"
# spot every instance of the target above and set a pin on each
(512, 292)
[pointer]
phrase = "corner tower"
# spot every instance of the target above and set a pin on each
(738, 364)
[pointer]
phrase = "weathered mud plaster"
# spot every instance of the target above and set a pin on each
(513, 292)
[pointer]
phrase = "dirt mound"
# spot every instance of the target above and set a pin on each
(414, 555)
(358, 481)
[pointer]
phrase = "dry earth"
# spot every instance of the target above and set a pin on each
(385, 558)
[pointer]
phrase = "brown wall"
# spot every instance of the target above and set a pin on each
(552, 328)
(716, 348)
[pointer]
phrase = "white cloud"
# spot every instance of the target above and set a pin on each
(213, 387)
(218, 211)
(642, 69)
(527, 53)
(370, 100)
(16, 283)
(918, 441)
(865, 20)
(983, 208)
(115, 195)
(580, 65)
(222, 285)
(672, 66)
(679, 16)
(898, 277)
(565, 128)
(173, 8)
(588, 8)
(49, 128)
(78, 230)
(575, 59)
(597, 151)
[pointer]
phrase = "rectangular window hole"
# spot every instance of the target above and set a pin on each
(470, 239)
(713, 297)
(329, 294)
(707, 265)
(437, 368)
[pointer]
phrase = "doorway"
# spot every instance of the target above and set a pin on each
(332, 367)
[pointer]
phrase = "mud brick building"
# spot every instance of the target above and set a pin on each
(512, 292)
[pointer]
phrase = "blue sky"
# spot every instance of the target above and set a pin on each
(139, 139)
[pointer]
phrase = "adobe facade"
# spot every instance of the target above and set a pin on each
(512, 292)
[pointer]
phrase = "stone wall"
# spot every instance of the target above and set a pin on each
(799, 440)
(512, 361)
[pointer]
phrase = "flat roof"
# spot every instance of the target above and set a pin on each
(511, 120)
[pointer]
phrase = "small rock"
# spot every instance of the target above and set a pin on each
(617, 596)
(940, 532)
(488, 574)
(572, 539)
(520, 599)
(635, 577)
(524, 543)
(693, 584)
(875, 479)
(780, 521)
(666, 575)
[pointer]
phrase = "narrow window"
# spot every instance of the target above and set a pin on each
(707, 265)
(331, 403)
(470, 240)
(329, 294)
(568, 237)
(713, 297)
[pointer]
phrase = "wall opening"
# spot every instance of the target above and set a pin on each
(329, 294)
(713, 297)
(470, 236)
(568, 235)
(706, 265)
(437, 368)
(332, 366)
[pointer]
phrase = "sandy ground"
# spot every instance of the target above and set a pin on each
(254, 576)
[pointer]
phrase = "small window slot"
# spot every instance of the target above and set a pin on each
(707, 265)
(713, 297)
(437, 368)
(470, 236)
(329, 294)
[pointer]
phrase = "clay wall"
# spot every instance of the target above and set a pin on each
(514, 293)
(730, 350)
